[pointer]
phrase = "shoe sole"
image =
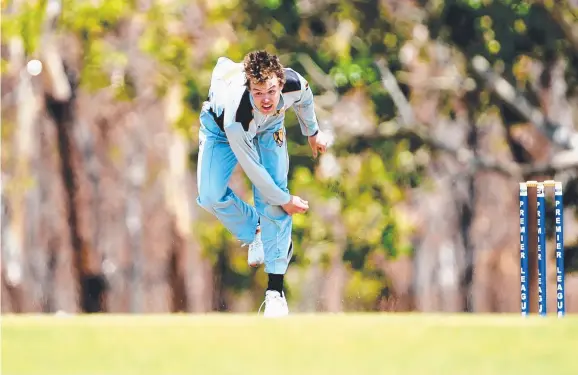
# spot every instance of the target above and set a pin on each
(256, 264)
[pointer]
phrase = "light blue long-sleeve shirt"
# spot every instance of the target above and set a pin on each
(232, 107)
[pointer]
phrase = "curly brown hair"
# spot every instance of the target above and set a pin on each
(260, 66)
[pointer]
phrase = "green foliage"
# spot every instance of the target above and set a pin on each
(343, 38)
(507, 33)
(173, 52)
(92, 19)
(26, 24)
(362, 291)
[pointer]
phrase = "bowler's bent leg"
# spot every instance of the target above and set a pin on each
(216, 163)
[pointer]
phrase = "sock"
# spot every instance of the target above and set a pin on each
(275, 283)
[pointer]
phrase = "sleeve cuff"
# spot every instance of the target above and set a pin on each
(287, 199)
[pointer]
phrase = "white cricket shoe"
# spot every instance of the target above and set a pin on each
(275, 305)
(256, 254)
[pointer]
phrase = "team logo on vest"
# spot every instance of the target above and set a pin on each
(279, 137)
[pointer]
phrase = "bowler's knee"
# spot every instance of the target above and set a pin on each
(210, 199)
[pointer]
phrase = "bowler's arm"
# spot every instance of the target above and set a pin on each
(305, 109)
(248, 157)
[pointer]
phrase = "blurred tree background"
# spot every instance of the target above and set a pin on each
(438, 109)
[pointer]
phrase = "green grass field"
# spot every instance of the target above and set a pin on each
(301, 344)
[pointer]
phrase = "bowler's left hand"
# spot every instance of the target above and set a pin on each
(318, 142)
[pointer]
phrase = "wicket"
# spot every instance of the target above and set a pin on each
(541, 250)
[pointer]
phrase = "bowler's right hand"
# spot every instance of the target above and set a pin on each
(296, 205)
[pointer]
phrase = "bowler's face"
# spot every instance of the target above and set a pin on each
(266, 95)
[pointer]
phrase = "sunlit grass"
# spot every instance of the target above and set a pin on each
(302, 344)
